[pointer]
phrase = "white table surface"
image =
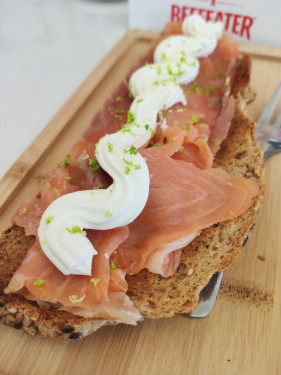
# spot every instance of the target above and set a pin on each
(47, 49)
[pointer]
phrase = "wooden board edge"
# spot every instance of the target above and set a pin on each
(261, 51)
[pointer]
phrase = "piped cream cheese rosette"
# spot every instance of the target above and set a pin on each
(155, 87)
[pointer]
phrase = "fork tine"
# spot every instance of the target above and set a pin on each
(270, 106)
(277, 122)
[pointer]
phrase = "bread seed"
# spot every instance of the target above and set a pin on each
(19, 317)
(10, 318)
(26, 320)
(190, 272)
(12, 310)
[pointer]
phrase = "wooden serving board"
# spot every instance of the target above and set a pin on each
(242, 333)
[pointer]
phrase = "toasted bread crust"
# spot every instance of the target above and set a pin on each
(216, 249)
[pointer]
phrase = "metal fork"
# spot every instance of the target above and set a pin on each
(269, 137)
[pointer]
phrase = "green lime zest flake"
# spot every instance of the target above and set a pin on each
(220, 76)
(148, 65)
(159, 69)
(139, 100)
(129, 162)
(36, 205)
(75, 230)
(197, 119)
(99, 186)
(109, 147)
(95, 166)
(112, 266)
(143, 238)
(39, 282)
(194, 86)
(23, 211)
(181, 148)
(130, 117)
(175, 109)
(95, 281)
(211, 89)
(74, 298)
(119, 117)
(118, 99)
(127, 128)
(172, 139)
(132, 150)
(184, 109)
(66, 162)
(157, 144)
(214, 142)
(86, 157)
(120, 111)
(108, 213)
(227, 81)
(164, 56)
(127, 170)
(169, 69)
(49, 219)
(146, 126)
(187, 126)
(57, 165)
(152, 131)
(238, 95)
(56, 191)
(130, 90)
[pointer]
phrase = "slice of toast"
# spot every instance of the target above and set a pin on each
(216, 249)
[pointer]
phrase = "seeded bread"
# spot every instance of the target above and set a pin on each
(216, 249)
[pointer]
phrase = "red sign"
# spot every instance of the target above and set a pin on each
(236, 24)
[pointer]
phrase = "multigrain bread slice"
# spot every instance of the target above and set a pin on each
(216, 249)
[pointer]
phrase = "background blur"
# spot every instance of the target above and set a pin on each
(47, 49)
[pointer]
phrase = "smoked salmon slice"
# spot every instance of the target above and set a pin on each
(182, 201)
(101, 295)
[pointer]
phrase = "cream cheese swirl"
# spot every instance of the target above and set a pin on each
(155, 87)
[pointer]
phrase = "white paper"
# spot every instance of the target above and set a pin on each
(252, 21)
